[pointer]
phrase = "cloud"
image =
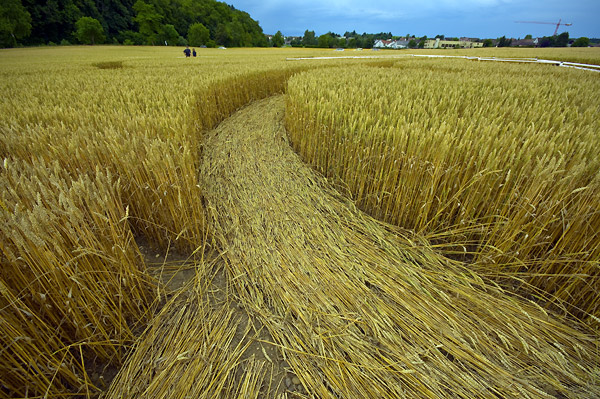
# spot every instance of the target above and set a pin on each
(478, 18)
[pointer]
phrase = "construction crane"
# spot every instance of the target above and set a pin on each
(558, 24)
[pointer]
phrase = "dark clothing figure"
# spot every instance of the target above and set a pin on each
(194, 52)
(187, 52)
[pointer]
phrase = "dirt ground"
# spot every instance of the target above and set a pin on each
(176, 272)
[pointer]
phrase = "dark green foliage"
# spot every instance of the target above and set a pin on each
(130, 37)
(555, 41)
(309, 38)
(504, 42)
(277, 39)
(167, 35)
(328, 40)
(52, 20)
(89, 31)
(198, 34)
(15, 22)
(581, 42)
(366, 40)
(136, 21)
(562, 40)
(148, 21)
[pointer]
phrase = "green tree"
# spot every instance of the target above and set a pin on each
(148, 20)
(548, 41)
(352, 42)
(130, 37)
(52, 20)
(412, 43)
(309, 38)
(488, 43)
(323, 41)
(421, 44)
(198, 34)
(278, 39)
(223, 35)
(240, 38)
(116, 16)
(504, 42)
(562, 40)
(168, 35)
(328, 40)
(528, 37)
(366, 40)
(581, 42)
(89, 30)
(15, 22)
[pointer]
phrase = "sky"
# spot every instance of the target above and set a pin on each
(453, 18)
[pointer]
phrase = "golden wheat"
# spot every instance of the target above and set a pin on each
(361, 310)
(100, 146)
(497, 160)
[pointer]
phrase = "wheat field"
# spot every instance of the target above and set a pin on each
(102, 147)
(495, 162)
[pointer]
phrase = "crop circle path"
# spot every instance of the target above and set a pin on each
(335, 304)
(359, 310)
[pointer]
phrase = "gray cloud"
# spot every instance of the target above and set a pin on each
(478, 18)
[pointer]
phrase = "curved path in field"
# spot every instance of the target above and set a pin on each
(356, 309)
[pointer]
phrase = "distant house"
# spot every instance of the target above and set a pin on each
(525, 43)
(391, 44)
(381, 43)
(292, 39)
(402, 43)
(437, 43)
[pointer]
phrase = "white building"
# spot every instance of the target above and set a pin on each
(391, 44)
(437, 43)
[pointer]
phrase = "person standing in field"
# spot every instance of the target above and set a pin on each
(187, 52)
(194, 52)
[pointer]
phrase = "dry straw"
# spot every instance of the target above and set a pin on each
(92, 158)
(359, 309)
(73, 282)
(95, 157)
(195, 347)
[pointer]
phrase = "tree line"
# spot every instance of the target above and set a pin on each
(367, 40)
(151, 22)
(332, 40)
(561, 40)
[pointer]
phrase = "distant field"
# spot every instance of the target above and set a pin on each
(580, 54)
(101, 145)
